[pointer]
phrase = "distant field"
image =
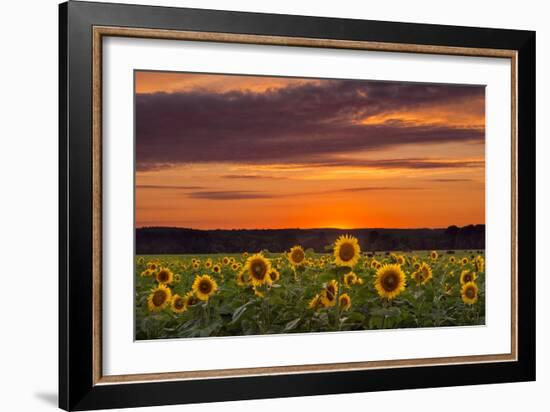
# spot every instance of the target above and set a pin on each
(306, 292)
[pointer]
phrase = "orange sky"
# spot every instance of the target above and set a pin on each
(218, 151)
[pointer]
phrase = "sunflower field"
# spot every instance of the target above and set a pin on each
(183, 296)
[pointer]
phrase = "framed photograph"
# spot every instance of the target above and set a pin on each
(256, 205)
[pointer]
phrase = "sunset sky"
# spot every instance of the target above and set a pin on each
(220, 151)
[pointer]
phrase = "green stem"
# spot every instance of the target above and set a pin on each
(268, 314)
(338, 325)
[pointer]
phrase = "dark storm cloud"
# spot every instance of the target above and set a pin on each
(307, 123)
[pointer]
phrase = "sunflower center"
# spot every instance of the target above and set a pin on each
(178, 304)
(298, 255)
(467, 277)
(273, 275)
(205, 287)
(389, 282)
(159, 297)
(330, 292)
(259, 269)
(163, 276)
(470, 293)
(347, 251)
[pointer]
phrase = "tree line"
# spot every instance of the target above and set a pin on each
(171, 240)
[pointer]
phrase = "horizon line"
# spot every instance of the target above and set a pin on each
(308, 228)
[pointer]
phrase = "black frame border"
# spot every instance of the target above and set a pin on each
(76, 386)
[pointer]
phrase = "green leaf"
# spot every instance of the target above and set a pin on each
(292, 324)
(388, 312)
(240, 311)
(356, 317)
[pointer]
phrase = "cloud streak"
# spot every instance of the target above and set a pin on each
(230, 195)
(253, 195)
(169, 187)
(251, 177)
(408, 163)
(450, 180)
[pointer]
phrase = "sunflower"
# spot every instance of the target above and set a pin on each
(315, 303)
(196, 265)
(208, 263)
(479, 263)
(245, 255)
(347, 251)
(177, 278)
(274, 275)
(344, 301)
(373, 263)
(147, 272)
(259, 293)
(350, 279)
(296, 256)
(464, 261)
(433, 255)
(225, 260)
(417, 265)
(452, 259)
(152, 266)
(469, 293)
(390, 281)
(423, 274)
(216, 268)
(190, 300)
(159, 298)
(232, 260)
(400, 260)
(467, 276)
(204, 287)
(140, 260)
(165, 276)
(258, 268)
(329, 294)
(235, 266)
(241, 279)
(178, 304)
